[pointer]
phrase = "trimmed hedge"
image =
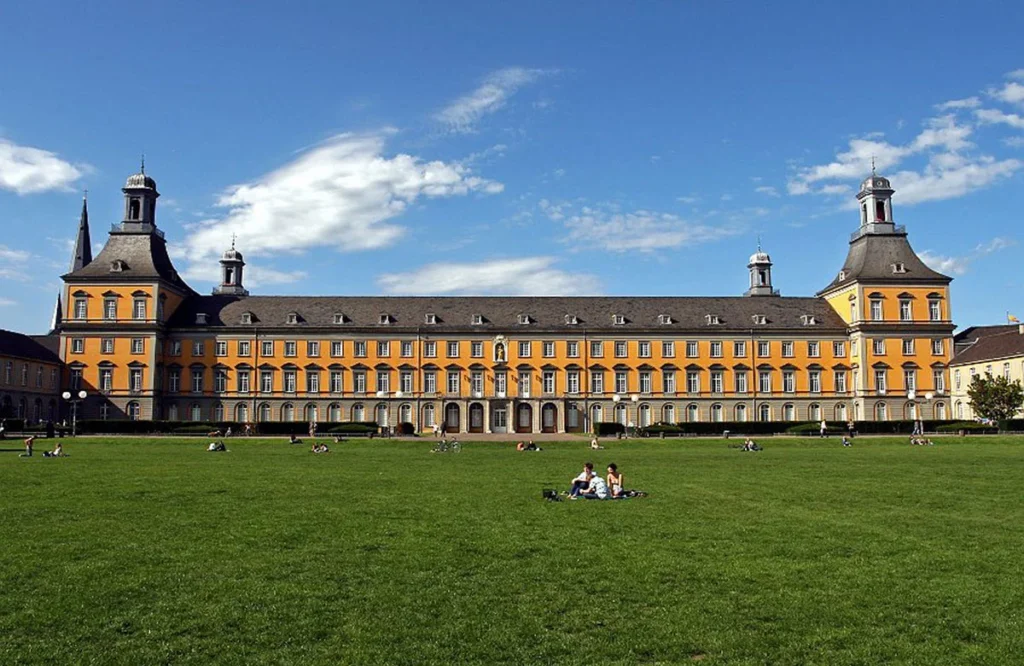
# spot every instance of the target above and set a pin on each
(608, 428)
(970, 427)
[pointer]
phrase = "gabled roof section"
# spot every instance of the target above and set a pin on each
(990, 343)
(144, 257)
(872, 256)
(31, 347)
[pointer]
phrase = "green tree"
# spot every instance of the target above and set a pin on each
(995, 398)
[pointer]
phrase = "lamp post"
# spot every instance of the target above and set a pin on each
(636, 412)
(74, 399)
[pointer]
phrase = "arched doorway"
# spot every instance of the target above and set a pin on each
(549, 418)
(741, 413)
(476, 417)
(499, 417)
(524, 418)
(573, 418)
(644, 416)
(451, 417)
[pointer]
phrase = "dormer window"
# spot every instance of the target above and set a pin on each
(842, 275)
(899, 268)
(809, 320)
(571, 319)
(339, 318)
(246, 317)
(478, 319)
(524, 319)
(384, 320)
(760, 319)
(117, 266)
(618, 320)
(201, 318)
(293, 318)
(665, 319)
(712, 319)
(431, 318)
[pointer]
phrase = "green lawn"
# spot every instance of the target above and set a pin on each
(154, 551)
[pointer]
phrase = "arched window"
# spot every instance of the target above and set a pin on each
(814, 412)
(741, 413)
(840, 412)
(358, 412)
(620, 414)
(133, 209)
(668, 414)
(381, 415)
(310, 413)
(788, 412)
(405, 413)
(334, 412)
(940, 411)
(716, 413)
(242, 413)
(37, 409)
(134, 411)
(959, 409)
(288, 412)
(764, 412)
(195, 412)
(692, 413)
(596, 414)
(264, 412)
(645, 416)
(218, 412)
(881, 413)
(172, 412)
(910, 411)
(428, 416)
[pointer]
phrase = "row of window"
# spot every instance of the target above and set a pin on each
(988, 372)
(24, 375)
(876, 309)
(907, 346)
(139, 308)
(108, 345)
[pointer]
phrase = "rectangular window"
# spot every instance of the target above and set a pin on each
(876, 310)
(453, 382)
(135, 380)
(106, 380)
(80, 308)
(621, 382)
(621, 349)
(291, 349)
(76, 378)
(430, 349)
(243, 347)
(267, 348)
(596, 381)
(312, 348)
(243, 381)
(716, 350)
(383, 348)
(337, 384)
(692, 382)
(572, 349)
(814, 381)
(476, 349)
(77, 346)
(764, 381)
(880, 380)
(220, 381)
(597, 349)
(788, 381)
(524, 383)
(717, 381)
(644, 349)
(840, 381)
(500, 384)
(839, 349)
(787, 349)
(406, 350)
(220, 348)
(173, 381)
(934, 310)
(910, 380)
(267, 381)
(383, 381)
(668, 381)
(668, 349)
(548, 382)
(1006, 370)
(939, 379)
(813, 349)
(741, 381)
(908, 347)
(764, 349)
(572, 381)
(645, 381)
(476, 382)
(359, 348)
(359, 381)
(692, 350)
(524, 350)
(937, 347)
(198, 348)
(312, 381)
(197, 380)
(138, 346)
(878, 346)
(453, 349)
(110, 308)
(739, 349)
(906, 314)
(429, 382)
(548, 349)
(405, 381)
(139, 308)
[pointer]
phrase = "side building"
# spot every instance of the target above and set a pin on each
(874, 344)
(985, 350)
(30, 383)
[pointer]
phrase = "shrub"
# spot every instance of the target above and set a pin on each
(406, 428)
(359, 428)
(970, 427)
(608, 428)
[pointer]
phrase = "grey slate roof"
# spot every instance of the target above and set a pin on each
(871, 257)
(502, 313)
(144, 256)
(987, 343)
(36, 347)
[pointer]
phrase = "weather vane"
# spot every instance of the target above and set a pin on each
(872, 165)
(143, 163)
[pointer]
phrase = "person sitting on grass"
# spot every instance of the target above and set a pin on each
(594, 444)
(582, 480)
(338, 439)
(750, 445)
(597, 489)
(58, 452)
(28, 447)
(615, 480)
(216, 446)
(846, 441)
(292, 439)
(319, 448)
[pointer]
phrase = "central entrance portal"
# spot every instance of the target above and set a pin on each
(499, 418)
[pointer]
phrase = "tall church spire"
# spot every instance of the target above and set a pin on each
(83, 246)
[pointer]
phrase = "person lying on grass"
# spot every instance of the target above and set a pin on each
(527, 447)
(319, 448)
(217, 446)
(58, 452)
(214, 433)
(292, 439)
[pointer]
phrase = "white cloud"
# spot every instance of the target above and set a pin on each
(641, 230)
(994, 116)
(959, 265)
(767, 190)
(528, 276)
(463, 114)
(1011, 93)
(343, 193)
(13, 264)
(1014, 141)
(12, 255)
(255, 275)
(955, 104)
(1016, 74)
(28, 170)
(6, 302)
(688, 200)
(936, 184)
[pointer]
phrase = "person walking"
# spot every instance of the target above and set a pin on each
(824, 428)
(28, 446)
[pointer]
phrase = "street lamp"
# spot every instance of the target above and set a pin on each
(74, 399)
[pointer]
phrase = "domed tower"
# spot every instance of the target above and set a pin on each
(875, 199)
(140, 197)
(760, 267)
(231, 265)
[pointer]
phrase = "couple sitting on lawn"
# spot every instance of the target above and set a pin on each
(589, 485)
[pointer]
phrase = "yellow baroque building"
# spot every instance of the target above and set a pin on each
(872, 345)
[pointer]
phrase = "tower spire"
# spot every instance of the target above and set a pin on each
(82, 255)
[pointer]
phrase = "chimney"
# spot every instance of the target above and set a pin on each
(1020, 328)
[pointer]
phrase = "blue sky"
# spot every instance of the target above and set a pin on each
(531, 148)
